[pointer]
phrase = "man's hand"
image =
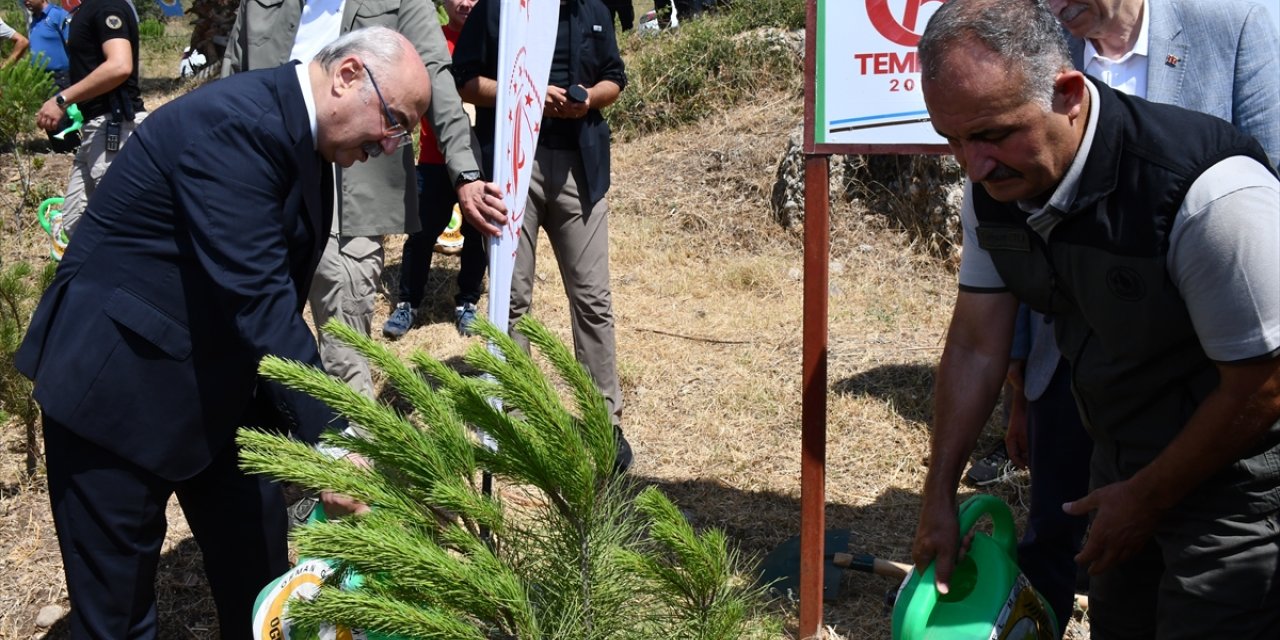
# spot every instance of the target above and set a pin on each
(336, 504)
(49, 116)
(482, 207)
(937, 536)
(1125, 521)
(558, 104)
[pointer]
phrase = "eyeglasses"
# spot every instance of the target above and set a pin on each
(395, 133)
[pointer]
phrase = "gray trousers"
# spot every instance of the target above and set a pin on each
(579, 235)
(90, 164)
(345, 287)
(1211, 570)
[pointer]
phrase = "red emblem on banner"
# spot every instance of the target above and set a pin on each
(905, 32)
(525, 116)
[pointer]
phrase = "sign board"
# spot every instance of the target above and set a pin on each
(865, 82)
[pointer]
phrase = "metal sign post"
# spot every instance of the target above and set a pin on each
(862, 96)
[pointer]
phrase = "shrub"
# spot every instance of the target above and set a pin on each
(682, 75)
(150, 29)
(17, 19)
(755, 14)
(148, 10)
(23, 88)
(20, 289)
(443, 558)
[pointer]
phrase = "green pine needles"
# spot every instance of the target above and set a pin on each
(26, 87)
(564, 550)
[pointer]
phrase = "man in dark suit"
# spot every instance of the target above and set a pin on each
(193, 261)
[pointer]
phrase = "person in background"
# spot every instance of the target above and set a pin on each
(436, 199)
(48, 31)
(19, 44)
(1151, 235)
(378, 197)
(102, 54)
(570, 175)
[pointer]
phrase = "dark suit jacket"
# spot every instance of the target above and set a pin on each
(191, 263)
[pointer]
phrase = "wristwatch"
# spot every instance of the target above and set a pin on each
(62, 102)
(466, 177)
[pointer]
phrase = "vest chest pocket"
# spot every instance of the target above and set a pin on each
(1022, 264)
(385, 13)
(1002, 238)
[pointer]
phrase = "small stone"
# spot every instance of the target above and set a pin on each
(794, 274)
(836, 268)
(866, 248)
(48, 615)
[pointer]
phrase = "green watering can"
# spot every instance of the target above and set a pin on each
(52, 224)
(270, 619)
(989, 596)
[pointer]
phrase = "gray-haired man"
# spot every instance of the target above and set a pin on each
(1151, 235)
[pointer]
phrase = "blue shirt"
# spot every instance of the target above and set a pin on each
(46, 37)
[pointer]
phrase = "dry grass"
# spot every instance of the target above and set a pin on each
(707, 294)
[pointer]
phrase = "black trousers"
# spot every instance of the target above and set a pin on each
(1060, 450)
(623, 11)
(436, 198)
(110, 519)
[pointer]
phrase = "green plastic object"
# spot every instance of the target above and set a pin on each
(270, 621)
(52, 224)
(77, 122)
(989, 597)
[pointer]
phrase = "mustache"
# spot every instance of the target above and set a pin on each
(1001, 172)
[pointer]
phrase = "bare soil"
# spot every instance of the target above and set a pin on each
(707, 295)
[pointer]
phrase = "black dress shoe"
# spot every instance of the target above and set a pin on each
(623, 460)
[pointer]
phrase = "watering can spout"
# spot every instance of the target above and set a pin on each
(77, 122)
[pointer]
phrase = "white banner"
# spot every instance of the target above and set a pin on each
(526, 40)
(868, 76)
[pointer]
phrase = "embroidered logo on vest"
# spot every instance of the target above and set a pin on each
(995, 238)
(1126, 284)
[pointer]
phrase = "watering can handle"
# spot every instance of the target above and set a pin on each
(42, 213)
(1002, 530)
(926, 595)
